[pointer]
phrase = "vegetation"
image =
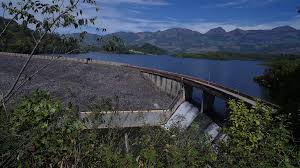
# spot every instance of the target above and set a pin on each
(282, 79)
(257, 138)
(148, 48)
(39, 132)
(233, 56)
(19, 39)
(114, 44)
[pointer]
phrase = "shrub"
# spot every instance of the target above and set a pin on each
(257, 139)
(40, 133)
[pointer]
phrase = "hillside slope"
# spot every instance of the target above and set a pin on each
(283, 39)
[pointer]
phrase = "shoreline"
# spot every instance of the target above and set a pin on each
(212, 56)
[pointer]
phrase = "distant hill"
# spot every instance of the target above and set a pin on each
(283, 39)
(278, 40)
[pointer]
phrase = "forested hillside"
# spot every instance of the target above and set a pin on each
(283, 39)
(19, 38)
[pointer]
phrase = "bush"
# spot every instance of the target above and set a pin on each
(257, 139)
(282, 79)
(40, 133)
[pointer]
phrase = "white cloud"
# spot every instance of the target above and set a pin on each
(232, 3)
(115, 20)
(132, 20)
(239, 4)
(115, 24)
(140, 2)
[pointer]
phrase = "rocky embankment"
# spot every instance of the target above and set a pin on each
(83, 84)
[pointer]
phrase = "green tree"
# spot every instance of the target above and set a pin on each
(282, 79)
(114, 44)
(150, 49)
(257, 138)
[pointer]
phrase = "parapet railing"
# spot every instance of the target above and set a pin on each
(203, 84)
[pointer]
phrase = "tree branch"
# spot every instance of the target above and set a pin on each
(35, 47)
(11, 20)
(33, 75)
(24, 67)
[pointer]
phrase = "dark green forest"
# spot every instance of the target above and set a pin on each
(148, 48)
(282, 78)
(19, 38)
(235, 56)
(114, 44)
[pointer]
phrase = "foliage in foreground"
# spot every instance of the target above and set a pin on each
(257, 139)
(40, 133)
(282, 78)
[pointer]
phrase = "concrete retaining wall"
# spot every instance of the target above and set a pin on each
(123, 119)
(167, 85)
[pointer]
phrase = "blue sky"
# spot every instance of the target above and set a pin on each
(199, 15)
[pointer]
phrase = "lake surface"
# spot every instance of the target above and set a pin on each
(234, 74)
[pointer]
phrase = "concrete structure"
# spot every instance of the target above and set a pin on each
(183, 116)
(181, 112)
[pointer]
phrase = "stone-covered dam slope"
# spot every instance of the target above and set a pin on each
(85, 84)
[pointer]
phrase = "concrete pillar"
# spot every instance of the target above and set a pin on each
(163, 84)
(207, 102)
(158, 81)
(188, 92)
(147, 75)
(179, 86)
(153, 78)
(174, 89)
(169, 86)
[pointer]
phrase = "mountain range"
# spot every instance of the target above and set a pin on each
(284, 39)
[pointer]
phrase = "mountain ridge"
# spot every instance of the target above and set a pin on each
(282, 39)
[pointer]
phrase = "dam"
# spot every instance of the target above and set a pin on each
(144, 96)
